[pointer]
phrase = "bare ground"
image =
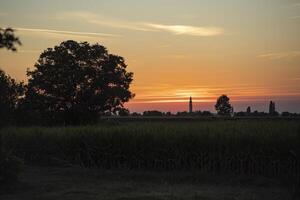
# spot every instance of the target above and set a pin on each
(74, 183)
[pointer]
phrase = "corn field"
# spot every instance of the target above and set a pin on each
(253, 147)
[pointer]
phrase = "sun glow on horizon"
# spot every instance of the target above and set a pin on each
(187, 49)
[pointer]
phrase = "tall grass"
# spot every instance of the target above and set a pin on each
(264, 147)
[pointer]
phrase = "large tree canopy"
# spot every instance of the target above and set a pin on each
(78, 79)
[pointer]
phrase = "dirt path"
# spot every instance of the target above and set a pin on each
(45, 183)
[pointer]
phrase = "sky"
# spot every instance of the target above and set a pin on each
(249, 50)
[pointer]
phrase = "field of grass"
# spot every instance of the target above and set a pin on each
(254, 147)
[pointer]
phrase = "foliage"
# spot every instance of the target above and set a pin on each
(75, 82)
(263, 147)
(223, 107)
(123, 112)
(10, 93)
(8, 39)
(135, 114)
(288, 114)
(152, 113)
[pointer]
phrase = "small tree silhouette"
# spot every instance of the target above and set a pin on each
(223, 107)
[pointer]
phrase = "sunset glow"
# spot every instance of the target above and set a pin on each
(249, 50)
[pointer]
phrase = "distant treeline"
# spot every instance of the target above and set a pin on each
(156, 113)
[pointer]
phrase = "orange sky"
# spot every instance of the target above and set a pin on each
(249, 50)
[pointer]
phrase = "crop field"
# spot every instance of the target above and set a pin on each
(265, 147)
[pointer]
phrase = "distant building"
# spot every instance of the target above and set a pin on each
(248, 110)
(272, 109)
(191, 105)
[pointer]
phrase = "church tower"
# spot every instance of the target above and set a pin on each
(191, 105)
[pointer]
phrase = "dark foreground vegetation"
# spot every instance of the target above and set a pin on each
(75, 183)
(254, 147)
(197, 159)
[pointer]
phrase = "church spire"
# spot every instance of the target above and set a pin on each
(191, 105)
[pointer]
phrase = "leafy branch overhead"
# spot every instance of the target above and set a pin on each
(8, 39)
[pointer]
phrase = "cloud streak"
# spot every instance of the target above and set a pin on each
(142, 26)
(281, 55)
(63, 32)
(295, 17)
(168, 93)
(296, 5)
(102, 21)
(188, 30)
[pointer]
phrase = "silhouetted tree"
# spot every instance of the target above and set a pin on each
(259, 114)
(183, 114)
(8, 39)
(207, 113)
(168, 113)
(123, 112)
(10, 92)
(286, 114)
(223, 107)
(153, 113)
(240, 114)
(135, 114)
(76, 81)
(199, 113)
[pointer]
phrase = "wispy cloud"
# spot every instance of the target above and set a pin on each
(175, 56)
(102, 21)
(188, 30)
(67, 32)
(281, 55)
(295, 17)
(142, 26)
(296, 5)
(295, 79)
